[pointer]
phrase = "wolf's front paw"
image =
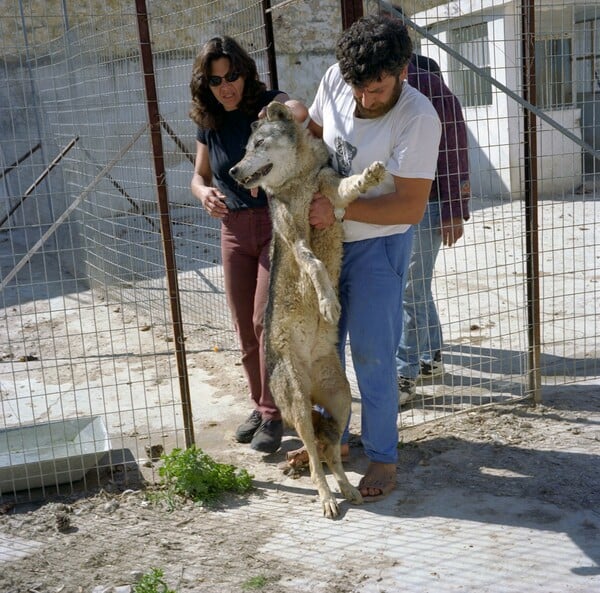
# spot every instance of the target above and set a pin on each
(373, 175)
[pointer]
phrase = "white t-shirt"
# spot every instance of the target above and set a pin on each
(406, 139)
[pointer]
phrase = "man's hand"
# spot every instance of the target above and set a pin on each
(452, 230)
(321, 214)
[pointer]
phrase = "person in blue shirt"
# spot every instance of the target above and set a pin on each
(419, 354)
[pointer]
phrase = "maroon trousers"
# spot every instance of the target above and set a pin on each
(245, 240)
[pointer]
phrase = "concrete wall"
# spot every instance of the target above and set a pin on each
(305, 30)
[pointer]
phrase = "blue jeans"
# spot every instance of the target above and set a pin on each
(372, 281)
(422, 332)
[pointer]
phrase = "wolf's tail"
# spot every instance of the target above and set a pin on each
(327, 429)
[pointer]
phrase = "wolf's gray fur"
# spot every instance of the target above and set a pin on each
(303, 308)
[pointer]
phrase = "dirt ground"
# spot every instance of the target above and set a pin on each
(504, 498)
(498, 499)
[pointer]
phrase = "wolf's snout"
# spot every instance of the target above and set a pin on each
(247, 179)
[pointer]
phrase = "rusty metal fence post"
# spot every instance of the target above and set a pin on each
(534, 381)
(154, 120)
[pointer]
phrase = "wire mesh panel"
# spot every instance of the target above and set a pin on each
(86, 331)
(486, 287)
(88, 372)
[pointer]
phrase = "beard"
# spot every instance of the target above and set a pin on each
(379, 109)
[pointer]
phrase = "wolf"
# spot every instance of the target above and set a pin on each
(303, 308)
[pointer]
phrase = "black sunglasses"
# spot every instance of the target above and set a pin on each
(217, 80)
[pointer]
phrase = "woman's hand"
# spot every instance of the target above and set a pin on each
(210, 197)
(213, 201)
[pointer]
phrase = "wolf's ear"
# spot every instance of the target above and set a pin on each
(278, 111)
(254, 125)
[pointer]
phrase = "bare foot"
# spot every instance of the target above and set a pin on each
(378, 482)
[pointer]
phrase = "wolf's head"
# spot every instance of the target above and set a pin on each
(272, 151)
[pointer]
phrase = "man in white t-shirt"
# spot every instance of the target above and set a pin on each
(365, 111)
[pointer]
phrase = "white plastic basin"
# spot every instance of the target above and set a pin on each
(50, 453)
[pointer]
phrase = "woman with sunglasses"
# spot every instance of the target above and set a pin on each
(227, 96)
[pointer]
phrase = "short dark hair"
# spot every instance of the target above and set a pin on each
(372, 46)
(384, 10)
(206, 111)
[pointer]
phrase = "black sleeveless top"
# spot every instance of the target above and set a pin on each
(226, 147)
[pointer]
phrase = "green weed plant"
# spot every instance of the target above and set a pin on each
(192, 474)
(152, 582)
(255, 583)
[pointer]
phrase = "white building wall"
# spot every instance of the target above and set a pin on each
(488, 126)
(496, 131)
(514, 113)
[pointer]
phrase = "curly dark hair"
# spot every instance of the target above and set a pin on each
(206, 111)
(373, 46)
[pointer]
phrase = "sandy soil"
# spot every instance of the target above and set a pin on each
(499, 499)
(508, 470)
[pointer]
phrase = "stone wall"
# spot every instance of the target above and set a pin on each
(304, 30)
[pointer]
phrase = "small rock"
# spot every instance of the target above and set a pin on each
(63, 522)
(112, 589)
(154, 451)
(136, 575)
(111, 506)
(498, 440)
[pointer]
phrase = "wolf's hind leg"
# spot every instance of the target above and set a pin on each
(304, 428)
(331, 454)
(293, 396)
(332, 391)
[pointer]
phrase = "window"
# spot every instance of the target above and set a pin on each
(473, 44)
(553, 72)
(587, 57)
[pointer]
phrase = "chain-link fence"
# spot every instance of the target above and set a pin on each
(87, 327)
(517, 294)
